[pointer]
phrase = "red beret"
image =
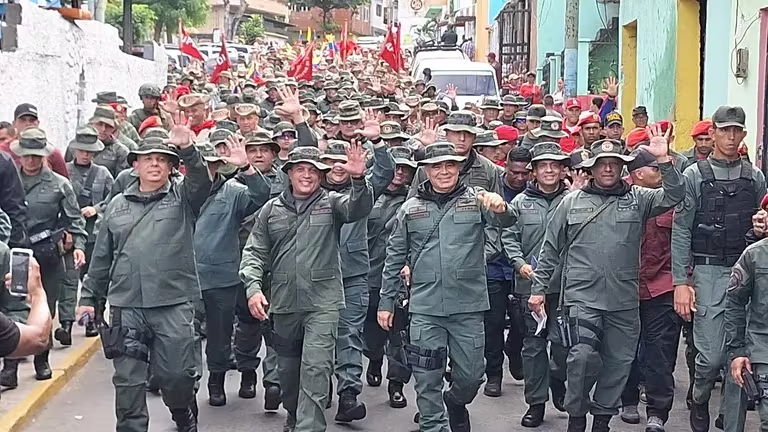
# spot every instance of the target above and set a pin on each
(183, 90)
(592, 118)
(636, 136)
(149, 122)
(764, 203)
(665, 126)
(507, 133)
(701, 128)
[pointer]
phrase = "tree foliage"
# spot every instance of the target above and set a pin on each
(329, 5)
(144, 19)
(192, 13)
(251, 29)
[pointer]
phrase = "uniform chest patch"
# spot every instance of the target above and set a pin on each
(418, 212)
(527, 205)
(321, 211)
(582, 210)
(466, 205)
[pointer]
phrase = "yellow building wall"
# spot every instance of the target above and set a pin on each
(687, 72)
(481, 30)
(628, 95)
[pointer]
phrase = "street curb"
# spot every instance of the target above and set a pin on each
(45, 390)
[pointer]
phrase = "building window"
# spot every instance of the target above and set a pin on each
(295, 8)
(378, 10)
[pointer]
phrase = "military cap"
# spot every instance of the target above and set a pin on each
(86, 139)
(342, 94)
(521, 115)
(105, 97)
(509, 100)
(578, 156)
(249, 96)
(443, 106)
(493, 124)
(378, 104)
(490, 103)
(209, 88)
(429, 107)
(335, 98)
(642, 158)
(331, 117)
(271, 84)
(462, 121)
(331, 85)
(336, 150)
(440, 151)
(104, 114)
(261, 137)
(429, 86)
(220, 114)
(304, 83)
(547, 150)
(311, 107)
(153, 146)
(614, 118)
(155, 132)
(550, 127)
(394, 109)
(233, 99)
(639, 110)
(271, 120)
(402, 156)
(606, 148)
(729, 116)
(419, 82)
(291, 82)
(219, 136)
(392, 130)
(310, 155)
(306, 96)
(247, 109)
(536, 112)
(32, 142)
(281, 128)
(190, 100)
(249, 84)
(186, 77)
(207, 151)
(349, 111)
(488, 139)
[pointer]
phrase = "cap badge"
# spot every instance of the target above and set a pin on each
(607, 146)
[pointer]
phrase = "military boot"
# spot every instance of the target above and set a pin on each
(42, 367)
(350, 409)
(272, 398)
(493, 387)
(9, 376)
(373, 374)
(630, 415)
(185, 419)
(577, 424)
(90, 329)
(600, 423)
(396, 397)
(216, 395)
(458, 415)
(63, 334)
(247, 384)
(290, 422)
(533, 417)
(699, 418)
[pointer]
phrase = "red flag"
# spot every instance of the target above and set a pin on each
(301, 68)
(222, 63)
(343, 46)
(390, 50)
(188, 47)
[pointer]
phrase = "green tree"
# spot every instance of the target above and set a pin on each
(192, 13)
(327, 6)
(143, 20)
(251, 29)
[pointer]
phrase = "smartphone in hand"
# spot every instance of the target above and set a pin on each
(20, 271)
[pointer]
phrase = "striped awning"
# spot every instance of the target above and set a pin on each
(464, 15)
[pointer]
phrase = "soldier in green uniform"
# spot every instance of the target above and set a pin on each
(217, 251)
(550, 129)
(722, 193)
(152, 300)
(307, 292)
(392, 134)
(247, 118)
(268, 104)
(92, 184)
(439, 234)
(55, 225)
(381, 222)
(114, 157)
(325, 104)
(594, 236)
(490, 107)
(150, 98)
(354, 268)
(536, 205)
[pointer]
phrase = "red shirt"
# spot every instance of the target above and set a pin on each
(531, 91)
(55, 161)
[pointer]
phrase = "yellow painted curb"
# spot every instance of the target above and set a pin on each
(45, 390)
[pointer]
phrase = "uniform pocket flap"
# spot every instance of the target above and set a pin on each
(424, 277)
(280, 277)
(466, 218)
(580, 274)
(470, 273)
(323, 274)
(357, 246)
(627, 274)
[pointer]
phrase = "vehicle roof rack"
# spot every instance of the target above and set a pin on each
(431, 46)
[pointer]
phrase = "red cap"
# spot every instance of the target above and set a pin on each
(572, 103)
(636, 136)
(764, 203)
(150, 122)
(183, 90)
(666, 125)
(701, 128)
(507, 133)
(591, 118)
(492, 55)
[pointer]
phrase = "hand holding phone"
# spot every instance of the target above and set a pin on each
(20, 266)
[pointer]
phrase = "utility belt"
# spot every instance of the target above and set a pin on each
(45, 245)
(119, 341)
(726, 261)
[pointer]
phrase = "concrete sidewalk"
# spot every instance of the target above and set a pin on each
(20, 404)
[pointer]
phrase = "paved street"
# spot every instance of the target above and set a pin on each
(87, 404)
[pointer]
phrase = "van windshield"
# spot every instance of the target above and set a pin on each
(467, 85)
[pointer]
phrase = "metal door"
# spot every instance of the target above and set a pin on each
(515, 36)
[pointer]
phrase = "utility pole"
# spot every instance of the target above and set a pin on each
(571, 57)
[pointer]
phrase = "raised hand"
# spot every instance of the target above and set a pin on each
(181, 135)
(237, 155)
(376, 84)
(450, 91)
(611, 86)
(428, 134)
(659, 143)
(355, 165)
(492, 201)
(371, 127)
(170, 104)
(291, 107)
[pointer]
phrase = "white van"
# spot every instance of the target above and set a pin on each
(473, 80)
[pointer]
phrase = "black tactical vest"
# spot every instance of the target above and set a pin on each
(725, 214)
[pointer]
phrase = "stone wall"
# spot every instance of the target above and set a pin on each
(59, 66)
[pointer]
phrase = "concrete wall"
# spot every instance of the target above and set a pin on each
(716, 47)
(59, 66)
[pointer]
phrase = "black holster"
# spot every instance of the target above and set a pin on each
(564, 328)
(268, 331)
(113, 336)
(516, 315)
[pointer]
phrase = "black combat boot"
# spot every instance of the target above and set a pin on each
(533, 417)
(247, 384)
(699, 419)
(216, 395)
(373, 374)
(558, 394)
(719, 422)
(396, 397)
(90, 329)
(9, 376)
(63, 334)
(272, 398)
(577, 424)
(152, 385)
(290, 422)
(185, 419)
(350, 409)
(493, 387)
(42, 367)
(600, 423)
(458, 415)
